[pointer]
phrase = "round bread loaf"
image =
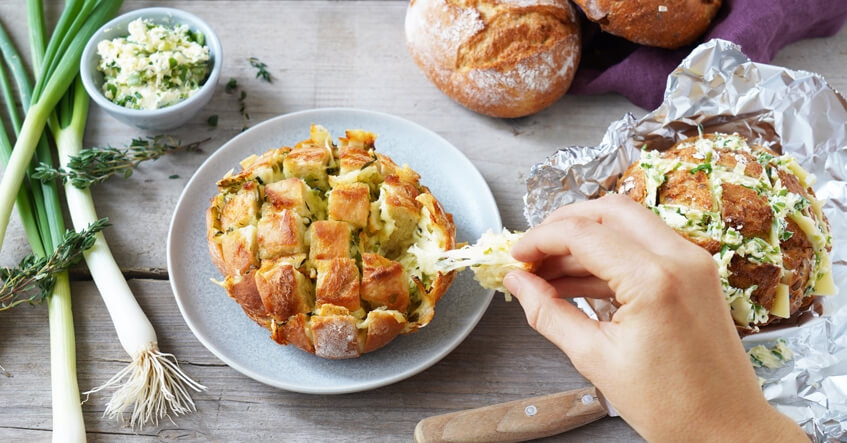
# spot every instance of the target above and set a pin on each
(312, 242)
(662, 23)
(753, 210)
(499, 58)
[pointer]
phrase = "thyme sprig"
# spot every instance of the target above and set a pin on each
(33, 279)
(262, 71)
(96, 165)
(231, 87)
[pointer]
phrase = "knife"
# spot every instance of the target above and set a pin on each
(517, 420)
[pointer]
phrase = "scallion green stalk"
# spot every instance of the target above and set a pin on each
(44, 226)
(77, 23)
(55, 66)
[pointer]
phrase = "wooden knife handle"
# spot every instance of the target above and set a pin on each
(518, 420)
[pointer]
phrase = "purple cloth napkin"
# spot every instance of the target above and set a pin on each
(760, 27)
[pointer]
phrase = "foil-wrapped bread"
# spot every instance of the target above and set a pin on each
(312, 242)
(753, 210)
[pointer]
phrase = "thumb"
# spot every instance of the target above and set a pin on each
(554, 317)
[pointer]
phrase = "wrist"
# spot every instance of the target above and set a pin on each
(764, 424)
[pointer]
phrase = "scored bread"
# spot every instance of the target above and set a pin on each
(498, 58)
(662, 23)
(754, 210)
(312, 243)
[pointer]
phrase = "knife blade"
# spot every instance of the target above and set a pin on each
(517, 420)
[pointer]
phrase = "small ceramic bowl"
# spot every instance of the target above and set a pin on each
(162, 119)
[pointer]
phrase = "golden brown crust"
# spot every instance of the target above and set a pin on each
(502, 59)
(329, 239)
(745, 274)
(662, 23)
(384, 283)
(382, 327)
(243, 290)
(284, 290)
(745, 210)
(312, 244)
(350, 203)
(797, 258)
(337, 283)
(685, 188)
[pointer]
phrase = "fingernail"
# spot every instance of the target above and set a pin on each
(512, 282)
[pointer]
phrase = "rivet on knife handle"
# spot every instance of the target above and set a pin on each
(514, 421)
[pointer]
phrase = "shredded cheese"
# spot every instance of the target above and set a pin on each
(489, 258)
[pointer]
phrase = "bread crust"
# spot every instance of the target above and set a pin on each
(662, 23)
(499, 58)
(312, 243)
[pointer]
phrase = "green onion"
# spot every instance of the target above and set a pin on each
(705, 167)
(60, 64)
(38, 203)
(156, 386)
(152, 385)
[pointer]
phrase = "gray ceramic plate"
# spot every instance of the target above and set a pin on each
(221, 325)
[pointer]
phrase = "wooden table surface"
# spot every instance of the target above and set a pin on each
(320, 54)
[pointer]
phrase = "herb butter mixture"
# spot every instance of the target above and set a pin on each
(772, 358)
(753, 210)
(155, 66)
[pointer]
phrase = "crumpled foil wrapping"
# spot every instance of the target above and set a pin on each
(719, 89)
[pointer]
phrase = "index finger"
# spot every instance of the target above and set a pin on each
(635, 222)
(601, 250)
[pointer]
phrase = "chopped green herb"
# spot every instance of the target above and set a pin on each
(262, 69)
(705, 167)
(231, 85)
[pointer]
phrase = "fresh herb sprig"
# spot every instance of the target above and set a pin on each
(262, 71)
(96, 165)
(231, 87)
(32, 280)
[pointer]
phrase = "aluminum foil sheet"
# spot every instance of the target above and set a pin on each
(717, 88)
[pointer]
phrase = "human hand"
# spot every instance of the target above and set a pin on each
(670, 360)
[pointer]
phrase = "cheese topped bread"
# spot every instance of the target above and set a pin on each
(312, 242)
(753, 209)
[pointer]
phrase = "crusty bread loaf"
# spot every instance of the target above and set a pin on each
(312, 242)
(499, 58)
(662, 23)
(753, 210)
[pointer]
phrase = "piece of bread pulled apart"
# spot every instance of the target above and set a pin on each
(753, 210)
(489, 259)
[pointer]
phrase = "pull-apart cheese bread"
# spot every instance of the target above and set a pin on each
(312, 241)
(754, 210)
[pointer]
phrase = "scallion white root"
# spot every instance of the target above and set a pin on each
(153, 385)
